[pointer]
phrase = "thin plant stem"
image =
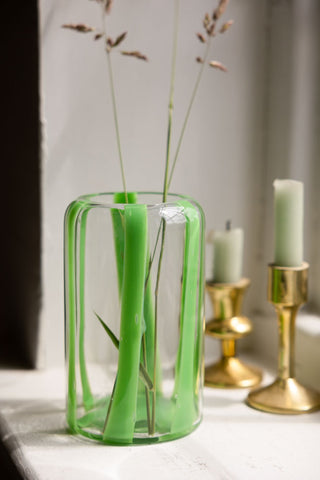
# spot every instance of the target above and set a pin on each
(164, 198)
(115, 111)
(116, 123)
(115, 115)
(144, 353)
(110, 404)
(192, 98)
(152, 257)
(171, 96)
(156, 330)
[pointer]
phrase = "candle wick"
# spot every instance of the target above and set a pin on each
(228, 225)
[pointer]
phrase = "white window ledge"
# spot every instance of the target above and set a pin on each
(233, 441)
(309, 324)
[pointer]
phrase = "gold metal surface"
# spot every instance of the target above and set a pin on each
(287, 291)
(228, 326)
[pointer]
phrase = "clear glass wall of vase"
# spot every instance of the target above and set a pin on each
(134, 296)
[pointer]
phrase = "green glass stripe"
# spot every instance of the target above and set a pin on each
(70, 308)
(122, 413)
(118, 231)
(184, 383)
(86, 390)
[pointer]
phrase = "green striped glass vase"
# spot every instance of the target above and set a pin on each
(134, 278)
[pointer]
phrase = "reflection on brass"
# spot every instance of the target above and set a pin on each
(228, 326)
(287, 291)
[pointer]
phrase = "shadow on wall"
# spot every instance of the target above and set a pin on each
(20, 237)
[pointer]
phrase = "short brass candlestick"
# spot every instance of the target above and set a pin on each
(228, 325)
(287, 291)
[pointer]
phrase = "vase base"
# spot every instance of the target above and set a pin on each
(285, 397)
(137, 439)
(230, 372)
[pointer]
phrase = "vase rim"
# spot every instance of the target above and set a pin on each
(106, 199)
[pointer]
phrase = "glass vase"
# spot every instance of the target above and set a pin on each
(134, 288)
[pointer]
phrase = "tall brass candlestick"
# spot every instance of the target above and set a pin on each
(287, 291)
(228, 325)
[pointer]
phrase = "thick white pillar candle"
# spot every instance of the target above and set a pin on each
(288, 223)
(227, 255)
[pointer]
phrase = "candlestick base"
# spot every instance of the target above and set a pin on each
(228, 326)
(230, 372)
(285, 397)
(287, 291)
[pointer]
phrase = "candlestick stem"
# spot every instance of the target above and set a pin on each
(287, 291)
(286, 355)
(228, 348)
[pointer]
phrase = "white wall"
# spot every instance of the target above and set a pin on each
(227, 161)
